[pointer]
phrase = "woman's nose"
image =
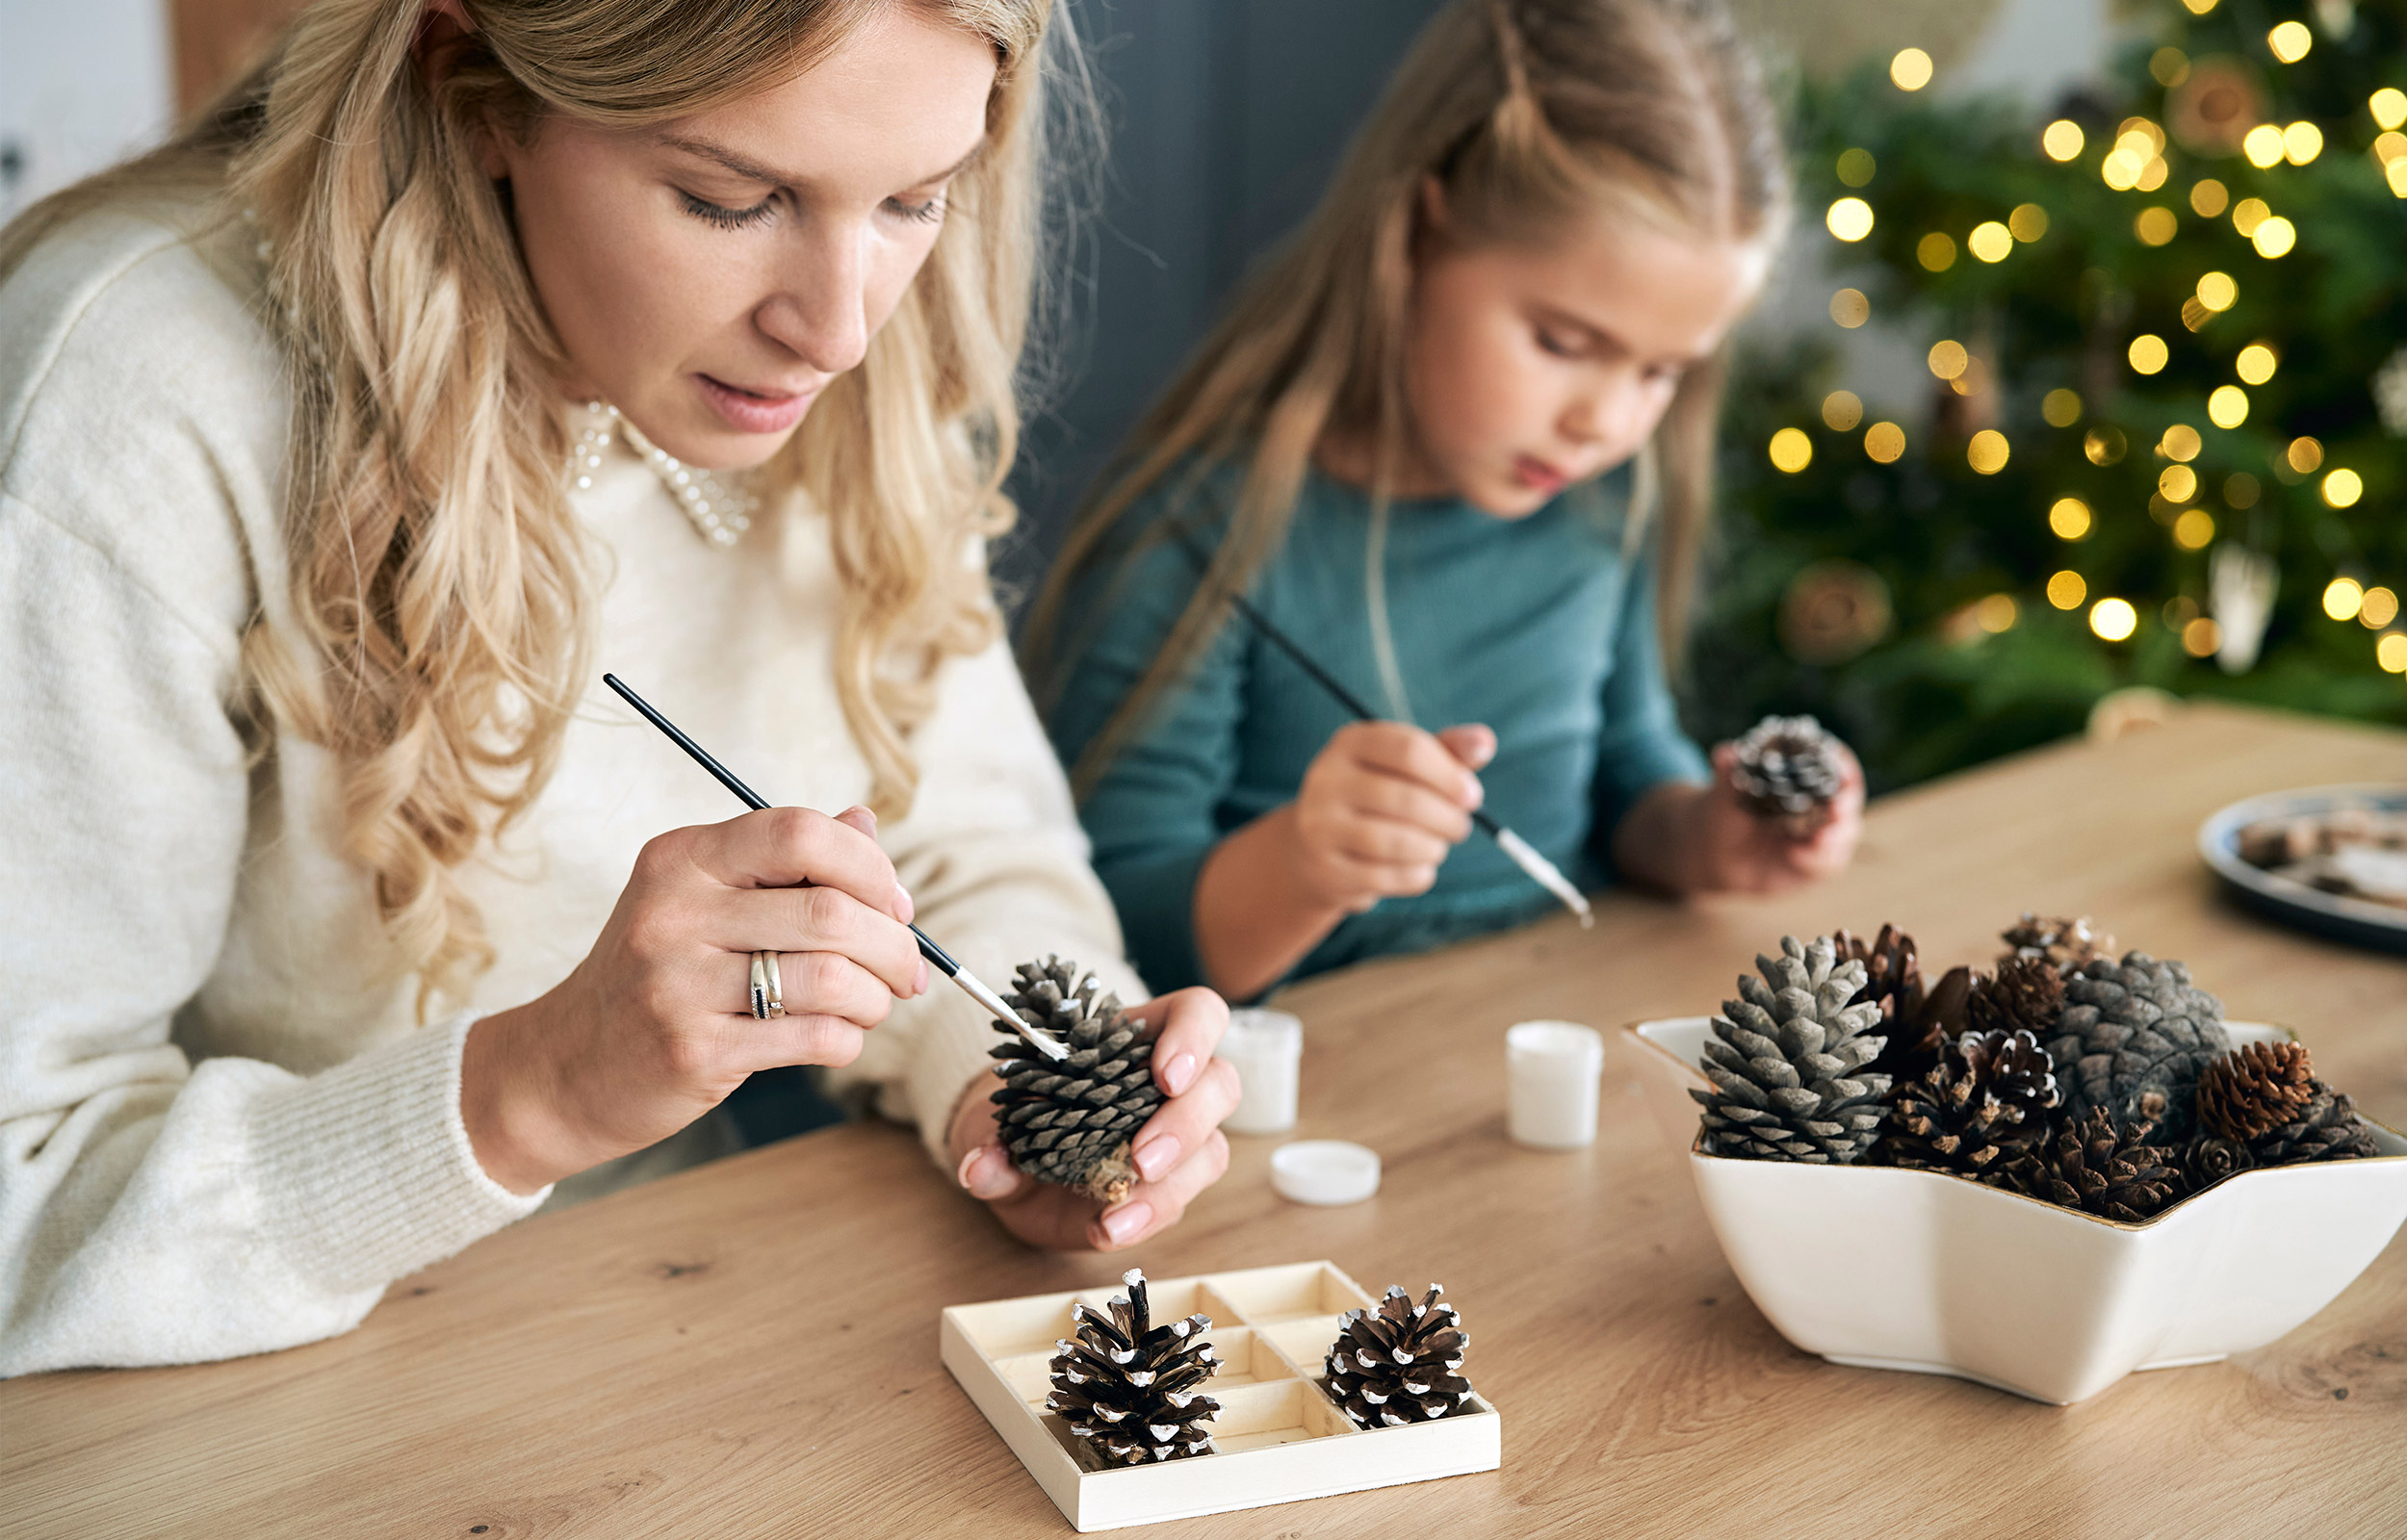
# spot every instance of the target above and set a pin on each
(819, 309)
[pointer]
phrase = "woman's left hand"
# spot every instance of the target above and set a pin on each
(1179, 1152)
(1746, 851)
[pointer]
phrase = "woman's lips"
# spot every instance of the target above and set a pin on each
(749, 411)
(1536, 475)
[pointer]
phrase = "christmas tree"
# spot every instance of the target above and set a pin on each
(2167, 394)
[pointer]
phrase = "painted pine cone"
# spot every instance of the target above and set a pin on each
(2131, 1029)
(1985, 1103)
(2254, 1090)
(1131, 1389)
(1787, 1060)
(2106, 1168)
(1069, 1121)
(1401, 1362)
(1789, 768)
(2326, 1129)
(2068, 943)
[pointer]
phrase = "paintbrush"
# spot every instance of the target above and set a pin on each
(1521, 852)
(938, 957)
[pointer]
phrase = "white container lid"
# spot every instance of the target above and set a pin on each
(1327, 1171)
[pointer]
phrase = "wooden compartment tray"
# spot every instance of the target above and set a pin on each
(1279, 1436)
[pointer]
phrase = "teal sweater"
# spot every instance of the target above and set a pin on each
(1539, 628)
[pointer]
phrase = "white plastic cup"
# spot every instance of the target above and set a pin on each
(1266, 1047)
(1551, 1070)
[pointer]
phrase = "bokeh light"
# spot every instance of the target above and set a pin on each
(2343, 597)
(2391, 652)
(1989, 451)
(2248, 213)
(2070, 519)
(2066, 590)
(1884, 442)
(2194, 529)
(2274, 237)
(2389, 107)
(2169, 66)
(2305, 455)
(2061, 407)
(2156, 225)
(2027, 222)
(2301, 141)
(2263, 146)
(1990, 240)
(2289, 42)
(2177, 484)
(1910, 70)
(2181, 442)
(1948, 358)
(2377, 609)
(2104, 445)
(1792, 450)
(2256, 363)
(2240, 490)
(2218, 292)
(2113, 619)
(1850, 308)
(2062, 140)
(2148, 352)
(1849, 218)
(1856, 166)
(1841, 410)
(1935, 251)
(2201, 637)
(1996, 613)
(2209, 198)
(2227, 406)
(2342, 488)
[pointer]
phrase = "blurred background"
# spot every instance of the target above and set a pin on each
(2081, 389)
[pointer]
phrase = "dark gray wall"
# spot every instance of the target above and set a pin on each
(1226, 117)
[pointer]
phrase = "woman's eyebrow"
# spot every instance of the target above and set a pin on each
(753, 170)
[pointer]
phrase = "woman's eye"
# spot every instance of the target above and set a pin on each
(725, 218)
(1557, 344)
(926, 212)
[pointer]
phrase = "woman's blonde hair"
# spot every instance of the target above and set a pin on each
(441, 588)
(1529, 116)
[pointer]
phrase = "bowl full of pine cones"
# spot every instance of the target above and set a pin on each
(2041, 1175)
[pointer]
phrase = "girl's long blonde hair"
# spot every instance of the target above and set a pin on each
(1529, 114)
(441, 594)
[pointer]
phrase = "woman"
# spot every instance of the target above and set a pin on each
(342, 444)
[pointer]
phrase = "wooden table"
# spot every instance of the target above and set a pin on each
(750, 1348)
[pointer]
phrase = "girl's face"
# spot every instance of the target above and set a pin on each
(1531, 367)
(710, 275)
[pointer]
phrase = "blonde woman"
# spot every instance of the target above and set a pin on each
(471, 346)
(1457, 440)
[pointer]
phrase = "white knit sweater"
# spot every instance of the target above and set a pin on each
(219, 1133)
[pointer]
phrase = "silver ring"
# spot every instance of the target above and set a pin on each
(768, 991)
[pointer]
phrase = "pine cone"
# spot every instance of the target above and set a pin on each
(2106, 1168)
(2326, 1129)
(2133, 1028)
(1787, 1063)
(2026, 994)
(1918, 1022)
(2254, 1090)
(1987, 1101)
(1069, 1121)
(1401, 1362)
(1130, 1387)
(1789, 768)
(2068, 943)
(2208, 1158)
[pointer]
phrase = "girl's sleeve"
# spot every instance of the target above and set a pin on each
(1641, 745)
(1154, 815)
(154, 1210)
(996, 867)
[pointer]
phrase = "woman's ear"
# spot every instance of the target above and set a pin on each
(1435, 217)
(444, 31)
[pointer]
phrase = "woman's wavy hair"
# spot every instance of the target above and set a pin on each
(441, 590)
(1529, 116)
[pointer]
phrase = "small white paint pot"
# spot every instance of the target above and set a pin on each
(1551, 1072)
(1266, 1048)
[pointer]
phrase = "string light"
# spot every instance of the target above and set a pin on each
(2301, 142)
(2069, 519)
(1910, 70)
(1884, 442)
(2062, 140)
(2066, 590)
(2194, 529)
(2256, 363)
(1841, 410)
(2148, 352)
(2274, 237)
(2289, 42)
(1850, 308)
(2342, 488)
(2227, 406)
(2263, 146)
(2343, 597)
(1990, 240)
(1792, 450)
(2113, 619)
(1989, 451)
(2389, 107)
(1849, 218)
(2061, 407)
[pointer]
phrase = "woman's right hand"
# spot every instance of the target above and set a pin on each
(654, 1028)
(1381, 805)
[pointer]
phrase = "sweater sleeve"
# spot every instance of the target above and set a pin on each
(153, 1209)
(1640, 744)
(997, 867)
(1155, 812)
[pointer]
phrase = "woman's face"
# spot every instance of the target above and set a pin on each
(710, 275)
(1531, 367)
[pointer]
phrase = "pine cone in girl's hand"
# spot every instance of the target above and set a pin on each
(2133, 1029)
(1069, 1121)
(1132, 1389)
(2068, 943)
(2254, 1090)
(1401, 1362)
(2326, 1129)
(1789, 768)
(1787, 1060)
(2106, 1168)
(1985, 1103)
(2026, 994)
(1916, 1021)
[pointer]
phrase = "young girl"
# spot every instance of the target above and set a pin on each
(1456, 441)
(338, 440)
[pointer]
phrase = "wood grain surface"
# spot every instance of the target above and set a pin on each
(751, 1348)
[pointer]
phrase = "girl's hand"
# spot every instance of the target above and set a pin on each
(1179, 1151)
(1687, 839)
(1380, 807)
(654, 1028)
